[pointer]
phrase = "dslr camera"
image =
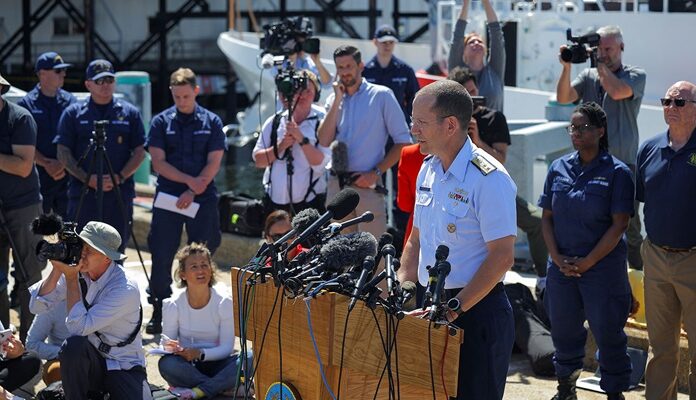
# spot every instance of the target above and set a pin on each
(67, 249)
(583, 47)
(289, 36)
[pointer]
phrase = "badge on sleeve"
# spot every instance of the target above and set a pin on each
(483, 165)
(451, 228)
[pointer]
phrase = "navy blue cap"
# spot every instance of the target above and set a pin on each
(386, 33)
(50, 60)
(99, 69)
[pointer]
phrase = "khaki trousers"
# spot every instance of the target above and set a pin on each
(670, 298)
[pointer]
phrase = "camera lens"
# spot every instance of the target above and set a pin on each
(566, 54)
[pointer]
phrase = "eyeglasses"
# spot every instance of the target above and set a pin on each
(677, 102)
(418, 123)
(277, 236)
(579, 129)
(108, 80)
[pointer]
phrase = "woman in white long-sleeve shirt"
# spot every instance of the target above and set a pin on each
(198, 327)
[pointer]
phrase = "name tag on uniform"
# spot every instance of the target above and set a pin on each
(171, 132)
(120, 122)
(599, 180)
(399, 80)
(202, 132)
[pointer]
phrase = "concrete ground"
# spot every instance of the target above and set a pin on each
(521, 382)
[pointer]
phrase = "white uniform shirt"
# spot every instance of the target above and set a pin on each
(275, 179)
(463, 209)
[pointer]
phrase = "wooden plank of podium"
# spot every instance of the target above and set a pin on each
(363, 355)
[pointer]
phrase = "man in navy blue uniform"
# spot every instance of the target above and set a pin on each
(387, 70)
(125, 138)
(665, 180)
(186, 143)
(46, 103)
(20, 203)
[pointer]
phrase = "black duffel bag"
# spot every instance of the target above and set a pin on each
(241, 214)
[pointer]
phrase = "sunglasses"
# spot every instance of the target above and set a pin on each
(108, 80)
(579, 129)
(677, 102)
(277, 236)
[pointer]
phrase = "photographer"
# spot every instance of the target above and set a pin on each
(290, 37)
(618, 89)
(124, 140)
(105, 351)
(20, 203)
(298, 135)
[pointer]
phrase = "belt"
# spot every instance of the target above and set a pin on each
(499, 287)
(677, 249)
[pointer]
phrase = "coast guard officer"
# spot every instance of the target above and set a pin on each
(587, 202)
(465, 200)
(46, 103)
(186, 143)
(125, 136)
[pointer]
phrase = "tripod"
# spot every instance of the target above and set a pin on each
(101, 159)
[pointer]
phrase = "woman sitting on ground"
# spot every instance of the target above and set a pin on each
(198, 328)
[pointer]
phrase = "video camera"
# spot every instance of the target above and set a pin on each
(584, 47)
(289, 36)
(290, 82)
(68, 249)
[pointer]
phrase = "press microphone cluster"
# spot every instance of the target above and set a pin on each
(437, 274)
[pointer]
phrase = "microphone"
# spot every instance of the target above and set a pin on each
(432, 282)
(267, 61)
(367, 267)
(339, 157)
(304, 220)
(340, 206)
(443, 269)
(336, 227)
(388, 252)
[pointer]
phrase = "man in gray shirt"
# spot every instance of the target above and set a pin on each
(618, 88)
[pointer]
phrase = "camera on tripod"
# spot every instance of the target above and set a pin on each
(67, 249)
(289, 36)
(583, 47)
(99, 133)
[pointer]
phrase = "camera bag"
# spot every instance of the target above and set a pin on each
(241, 214)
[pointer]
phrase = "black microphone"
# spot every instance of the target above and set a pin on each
(299, 223)
(432, 282)
(340, 206)
(443, 269)
(336, 227)
(367, 267)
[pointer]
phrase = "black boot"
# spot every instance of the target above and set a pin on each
(615, 396)
(155, 325)
(566, 387)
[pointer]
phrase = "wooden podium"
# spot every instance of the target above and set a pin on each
(363, 356)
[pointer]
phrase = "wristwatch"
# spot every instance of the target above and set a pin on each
(378, 171)
(455, 305)
(305, 140)
(202, 355)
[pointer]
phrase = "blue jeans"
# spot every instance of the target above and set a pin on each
(212, 377)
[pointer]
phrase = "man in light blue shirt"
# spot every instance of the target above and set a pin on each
(46, 334)
(465, 200)
(104, 317)
(362, 115)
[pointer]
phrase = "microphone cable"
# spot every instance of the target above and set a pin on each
(387, 365)
(280, 346)
(316, 349)
(343, 348)
(430, 358)
(265, 331)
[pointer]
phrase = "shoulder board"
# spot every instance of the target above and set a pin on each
(483, 165)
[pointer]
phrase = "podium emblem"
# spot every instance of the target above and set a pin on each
(289, 392)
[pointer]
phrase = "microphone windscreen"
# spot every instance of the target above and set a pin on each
(384, 240)
(344, 203)
(302, 221)
(441, 253)
(339, 156)
(347, 251)
(47, 224)
(410, 288)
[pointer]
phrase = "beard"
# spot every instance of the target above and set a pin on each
(349, 82)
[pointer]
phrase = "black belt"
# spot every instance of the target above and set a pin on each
(499, 287)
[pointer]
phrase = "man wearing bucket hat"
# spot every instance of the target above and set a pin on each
(125, 138)
(105, 351)
(20, 203)
(46, 103)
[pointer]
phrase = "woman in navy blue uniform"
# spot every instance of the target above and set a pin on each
(587, 203)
